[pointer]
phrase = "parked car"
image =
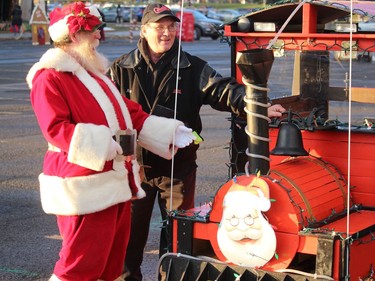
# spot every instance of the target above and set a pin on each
(110, 14)
(212, 14)
(366, 26)
(138, 12)
(52, 6)
(203, 26)
(224, 14)
(245, 11)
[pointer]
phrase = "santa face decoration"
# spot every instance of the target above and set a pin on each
(245, 237)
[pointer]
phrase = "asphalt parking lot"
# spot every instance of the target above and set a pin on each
(29, 238)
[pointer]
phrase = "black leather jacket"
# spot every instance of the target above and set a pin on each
(154, 87)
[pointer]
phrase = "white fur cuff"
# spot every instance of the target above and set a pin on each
(89, 146)
(157, 135)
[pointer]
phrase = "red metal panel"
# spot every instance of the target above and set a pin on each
(362, 250)
(362, 256)
(308, 38)
(309, 205)
(309, 20)
(187, 26)
(366, 199)
(332, 147)
(315, 41)
(286, 249)
(308, 245)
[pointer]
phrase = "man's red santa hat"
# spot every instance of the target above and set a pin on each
(73, 18)
(255, 194)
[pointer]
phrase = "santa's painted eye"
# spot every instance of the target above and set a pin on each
(248, 220)
(234, 221)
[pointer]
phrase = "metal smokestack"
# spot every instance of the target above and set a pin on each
(255, 66)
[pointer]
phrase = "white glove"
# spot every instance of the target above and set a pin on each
(114, 149)
(183, 136)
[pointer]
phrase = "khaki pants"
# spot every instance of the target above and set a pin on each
(182, 198)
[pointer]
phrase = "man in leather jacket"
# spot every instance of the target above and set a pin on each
(147, 75)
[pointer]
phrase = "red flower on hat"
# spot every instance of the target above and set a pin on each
(81, 19)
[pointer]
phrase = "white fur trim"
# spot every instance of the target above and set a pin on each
(83, 195)
(89, 146)
(54, 58)
(141, 193)
(54, 278)
(120, 100)
(157, 135)
(120, 278)
(103, 100)
(59, 30)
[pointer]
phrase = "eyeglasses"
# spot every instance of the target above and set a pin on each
(162, 28)
(248, 220)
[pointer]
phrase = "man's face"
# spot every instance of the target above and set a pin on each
(160, 35)
(84, 47)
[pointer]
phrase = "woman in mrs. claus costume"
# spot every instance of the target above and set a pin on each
(85, 182)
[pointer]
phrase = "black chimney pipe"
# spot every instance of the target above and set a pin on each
(255, 66)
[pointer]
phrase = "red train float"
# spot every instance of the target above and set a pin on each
(321, 213)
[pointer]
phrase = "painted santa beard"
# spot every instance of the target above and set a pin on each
(253, 232)
(250, 253)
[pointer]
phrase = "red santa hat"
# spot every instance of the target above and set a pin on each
(73, 18)
(256, 194)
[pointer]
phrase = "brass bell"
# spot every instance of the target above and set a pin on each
(289, 141)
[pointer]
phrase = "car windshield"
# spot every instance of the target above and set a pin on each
(198, 15)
